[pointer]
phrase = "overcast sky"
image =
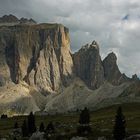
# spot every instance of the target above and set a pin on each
(114, 24)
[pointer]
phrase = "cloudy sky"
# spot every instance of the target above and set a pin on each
(114, 24)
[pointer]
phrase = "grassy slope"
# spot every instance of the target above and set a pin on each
(102, 120)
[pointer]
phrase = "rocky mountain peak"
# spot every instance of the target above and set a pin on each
(111, 70)
(13, 20)
(135, 77)
(88, 65)
(112, 57)
(25, 20)
(91, 69)
(8, 18)
(85, 47)
(94, 44)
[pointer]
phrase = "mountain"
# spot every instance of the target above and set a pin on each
(37, 54)
(88, 65)
(8, 19)
(38, 71)
(13, 20)
(112, 72)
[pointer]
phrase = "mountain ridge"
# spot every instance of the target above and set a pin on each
(13, 19)
(36, 59)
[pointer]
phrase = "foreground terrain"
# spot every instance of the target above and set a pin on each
(102, 122)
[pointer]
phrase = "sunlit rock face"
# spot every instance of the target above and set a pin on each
(37, 54)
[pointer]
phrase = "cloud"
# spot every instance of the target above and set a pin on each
(115, 24)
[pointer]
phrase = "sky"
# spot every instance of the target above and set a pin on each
(114, 24)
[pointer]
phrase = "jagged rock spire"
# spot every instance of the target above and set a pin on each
(135, 77)
(13, 19)
(94, 42)
(95, 45)
(88, 65)
(111, 71)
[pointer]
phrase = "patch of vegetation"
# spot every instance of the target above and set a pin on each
(101, 122)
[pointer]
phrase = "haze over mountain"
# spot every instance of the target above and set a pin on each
(38, 71)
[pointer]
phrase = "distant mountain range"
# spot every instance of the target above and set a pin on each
(38, 71)
(13, 19)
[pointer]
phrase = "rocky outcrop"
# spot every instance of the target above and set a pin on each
(10, 20)
(93, 71)
(135, 77)
(111, 71)
(88, 65)
(27, 21)
(37, 54)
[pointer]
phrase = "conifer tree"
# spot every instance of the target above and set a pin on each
(16, 125)
(50, 128)
(15, 138)
(42, 127)
(119, 127)
(24, 129)
(84, 121)
(84, 116)
(31, 123)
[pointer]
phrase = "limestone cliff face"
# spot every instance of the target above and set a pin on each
(111, 71)
(37, 54)
(88, 65)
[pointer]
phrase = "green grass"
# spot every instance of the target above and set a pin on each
(102, 121)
